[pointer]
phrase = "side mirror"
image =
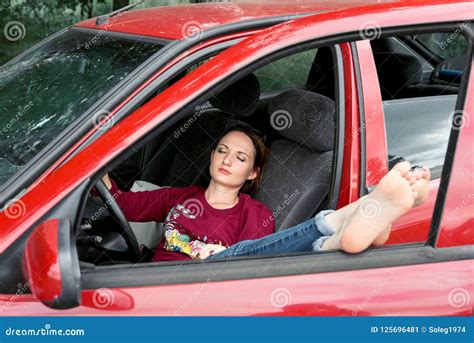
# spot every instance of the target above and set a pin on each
(51, 264)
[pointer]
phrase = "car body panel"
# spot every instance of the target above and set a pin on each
(376, 160)
(457, 223)
(415, 290)
(165, 23)
(350, 178)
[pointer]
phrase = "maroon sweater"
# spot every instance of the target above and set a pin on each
(189, 221)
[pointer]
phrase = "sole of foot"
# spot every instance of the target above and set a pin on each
(392, 198)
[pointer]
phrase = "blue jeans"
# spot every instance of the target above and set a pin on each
(307, 236)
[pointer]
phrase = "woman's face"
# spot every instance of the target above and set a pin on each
(232, 162)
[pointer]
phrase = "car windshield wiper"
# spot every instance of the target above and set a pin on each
(104, 18)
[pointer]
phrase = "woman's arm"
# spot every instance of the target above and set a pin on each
(107, 181)
(142, 206)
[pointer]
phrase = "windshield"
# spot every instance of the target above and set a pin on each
(47, 89)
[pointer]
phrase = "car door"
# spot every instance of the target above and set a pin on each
(415, 123)
(387, 281)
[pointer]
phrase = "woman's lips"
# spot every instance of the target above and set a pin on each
(224, 171)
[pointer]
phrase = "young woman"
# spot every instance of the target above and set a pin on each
(221, 220)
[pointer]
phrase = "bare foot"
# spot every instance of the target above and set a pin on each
(418, 180)
(392, 198)
(421, 188)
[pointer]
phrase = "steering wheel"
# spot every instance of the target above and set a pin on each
(116, 213)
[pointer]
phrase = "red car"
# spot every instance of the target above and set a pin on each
(143, 93)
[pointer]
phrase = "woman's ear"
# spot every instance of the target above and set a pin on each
(254, 173)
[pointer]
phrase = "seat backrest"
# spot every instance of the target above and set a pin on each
(297, 177)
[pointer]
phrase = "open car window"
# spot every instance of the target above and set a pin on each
(419, 104)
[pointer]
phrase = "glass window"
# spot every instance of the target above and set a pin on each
(50, 87)
(444, 45)
(418, 130)
(419, 111)
(291, 71)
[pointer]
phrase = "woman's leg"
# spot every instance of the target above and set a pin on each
(296, 239)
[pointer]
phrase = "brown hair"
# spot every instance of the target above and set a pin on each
(261, 154)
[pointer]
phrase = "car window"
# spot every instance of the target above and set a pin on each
(443, 44)
(419, 111)
(291, 71)
(48, 88)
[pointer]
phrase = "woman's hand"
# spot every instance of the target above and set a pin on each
(107, 181)
(209, 250)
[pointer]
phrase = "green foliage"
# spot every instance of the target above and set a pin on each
(36, 21)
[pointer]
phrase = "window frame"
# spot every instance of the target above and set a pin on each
(366, 154)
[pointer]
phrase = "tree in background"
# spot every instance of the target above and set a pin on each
(24, 23)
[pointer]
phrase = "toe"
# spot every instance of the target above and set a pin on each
(425, 174)
(402, 167)
(418, 173)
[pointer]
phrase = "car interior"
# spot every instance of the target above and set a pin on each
(300, 156)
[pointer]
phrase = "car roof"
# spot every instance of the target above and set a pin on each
(176, 22)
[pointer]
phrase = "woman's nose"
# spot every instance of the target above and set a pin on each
(227, 161)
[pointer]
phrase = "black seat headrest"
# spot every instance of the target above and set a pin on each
(240, 98)
(397, 71)
(304, 117)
